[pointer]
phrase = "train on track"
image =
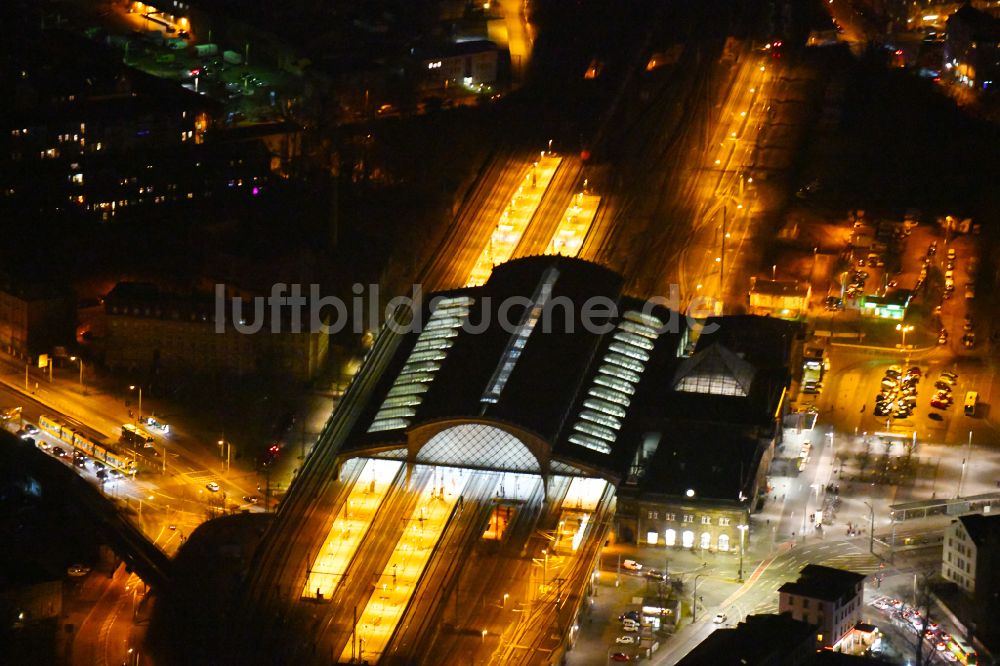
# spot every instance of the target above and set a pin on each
(102, 452)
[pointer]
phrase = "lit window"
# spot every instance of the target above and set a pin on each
(670, 537)
(651, 538)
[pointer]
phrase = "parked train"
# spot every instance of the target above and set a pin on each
(100, 452)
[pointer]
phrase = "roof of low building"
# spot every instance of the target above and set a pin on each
(760, 639)
(779, 287)
(826, 583)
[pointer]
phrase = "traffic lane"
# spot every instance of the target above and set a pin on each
(179, 458)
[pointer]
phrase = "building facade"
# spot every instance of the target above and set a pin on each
(33, 320)
(787, 299)
(150, 330)
(958, 559)
(972, 48)
(831, 599)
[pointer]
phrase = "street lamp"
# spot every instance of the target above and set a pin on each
(133, 387)
(871, 533)
(694, 599)
(225, 450)
(903, 330)
(79, 359)
(743, 530)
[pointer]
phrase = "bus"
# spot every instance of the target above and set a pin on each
(136, 436)
(963, 651)
(971, 400)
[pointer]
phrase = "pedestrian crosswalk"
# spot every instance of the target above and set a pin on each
(862, 563)
(200, 475)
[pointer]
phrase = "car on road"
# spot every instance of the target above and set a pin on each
(719, 618)
(630, 615)
(937, 403)
(77, 570)
(949, 656)
(251, 499)
(833, 303)
(655, 574)
(626, 640)
(951, 254)
(631, 627)
(949, 376)
(942, 386)
(10, 413)
(30, 428)
(632, 565)
(620, 656)
(59, 452)
(969, 340)
(932, 249)
(943, 337)
(213, 486)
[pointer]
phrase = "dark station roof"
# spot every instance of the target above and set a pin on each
(551, 346)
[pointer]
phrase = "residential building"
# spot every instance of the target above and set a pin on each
(960, 554)
(155, 331)
(86, 135)
(464, 63)
(971, 550)
(34, 318)
(831, 599)
(972, 48)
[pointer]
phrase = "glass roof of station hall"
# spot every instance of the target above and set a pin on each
(433, 343)
(612, 388)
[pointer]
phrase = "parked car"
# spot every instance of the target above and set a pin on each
(212, 486)
(625, 640)
(632, 565)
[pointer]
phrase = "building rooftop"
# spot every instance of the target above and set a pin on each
(779, 287)
(982, 24)
(982, 529)
(760, 639)
(715, 460)
(826, 583)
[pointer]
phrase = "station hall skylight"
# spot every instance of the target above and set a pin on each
(611, 392)
(433, 343)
